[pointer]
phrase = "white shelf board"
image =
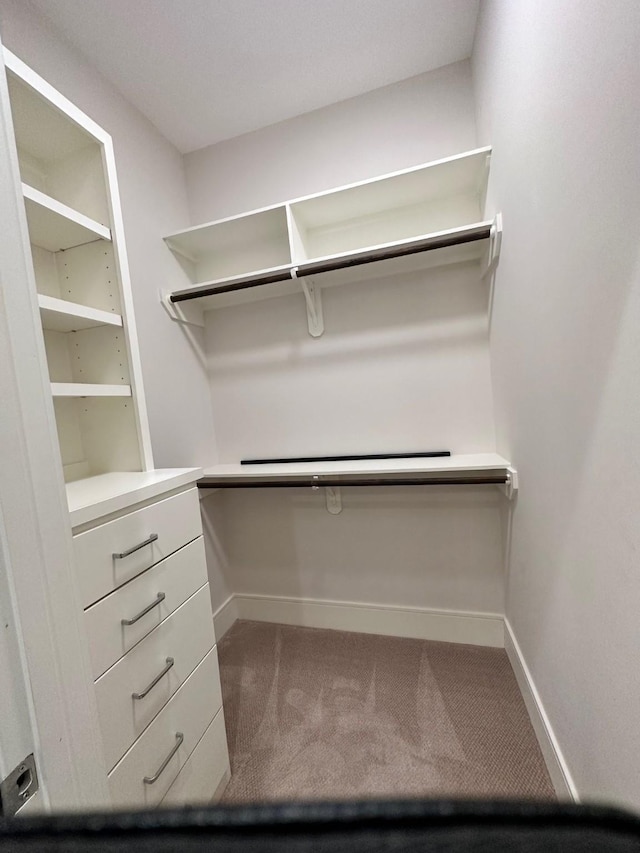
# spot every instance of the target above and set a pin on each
(458, 464)
(95, 497)
(59, 315)
(462, 174)
(80, 389)
(55, 226)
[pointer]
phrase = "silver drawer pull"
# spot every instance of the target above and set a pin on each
(135, 548)
(160, 675)
(159, 599)
(149, 780)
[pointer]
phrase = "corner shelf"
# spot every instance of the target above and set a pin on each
(59, 315)
(80, 389)
(55, 226)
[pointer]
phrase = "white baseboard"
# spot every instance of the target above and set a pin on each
(554, 759)
(450, 626)
(224, 617)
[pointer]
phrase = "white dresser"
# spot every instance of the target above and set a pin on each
(143, 580)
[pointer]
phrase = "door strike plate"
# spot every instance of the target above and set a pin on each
(18, 787)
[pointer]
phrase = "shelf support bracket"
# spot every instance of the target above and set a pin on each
(313, 298)
(332, 494)
(495, 244)
(333, 497)
(188, 314)
(510, 488)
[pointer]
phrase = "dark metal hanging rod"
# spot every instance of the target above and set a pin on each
(352, 458)
(368, 256)
(346, 481)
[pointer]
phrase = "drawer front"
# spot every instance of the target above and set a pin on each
(174, 648)
(187, 713)
(177, 578)
(198, 781)
(175, 521)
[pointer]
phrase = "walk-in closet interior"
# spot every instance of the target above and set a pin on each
(319, 368)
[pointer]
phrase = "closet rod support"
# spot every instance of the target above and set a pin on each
(510, 487)
(332, 494)
(187, 315)
(495, 244)
(313, 298)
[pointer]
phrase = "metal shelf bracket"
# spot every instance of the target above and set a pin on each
(333, 497)
(332, 494)
(313, 298)
(495, 244)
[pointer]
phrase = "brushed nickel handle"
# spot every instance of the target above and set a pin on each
(150, 780)
(149, 687)
(159, 598)
(135, 548)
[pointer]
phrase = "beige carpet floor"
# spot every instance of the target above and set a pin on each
(316, 714)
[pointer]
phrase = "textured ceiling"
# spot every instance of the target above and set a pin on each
(207, 70)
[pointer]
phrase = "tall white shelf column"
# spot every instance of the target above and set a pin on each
(81, 274)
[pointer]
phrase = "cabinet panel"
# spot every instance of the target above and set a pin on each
(177, 578)
(199, 780)
(181, 724)
(127, 702)
(173, 521)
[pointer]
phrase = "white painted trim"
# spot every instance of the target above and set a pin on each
(126, 296)
(224, 617)
(554, 759)
(448, 626)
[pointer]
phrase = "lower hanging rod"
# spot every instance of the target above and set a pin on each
(335, 482)
(472, 234)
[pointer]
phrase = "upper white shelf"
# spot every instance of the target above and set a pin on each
(58, 315)
(435, 209)
(55, 226)
(477, 467)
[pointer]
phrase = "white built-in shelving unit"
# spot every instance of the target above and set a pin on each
(429, 215)
(130, 526)
(75, 230)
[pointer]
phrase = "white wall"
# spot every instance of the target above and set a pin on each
(558, 92)
(152, 188)
(405, 124)
(403, 365)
